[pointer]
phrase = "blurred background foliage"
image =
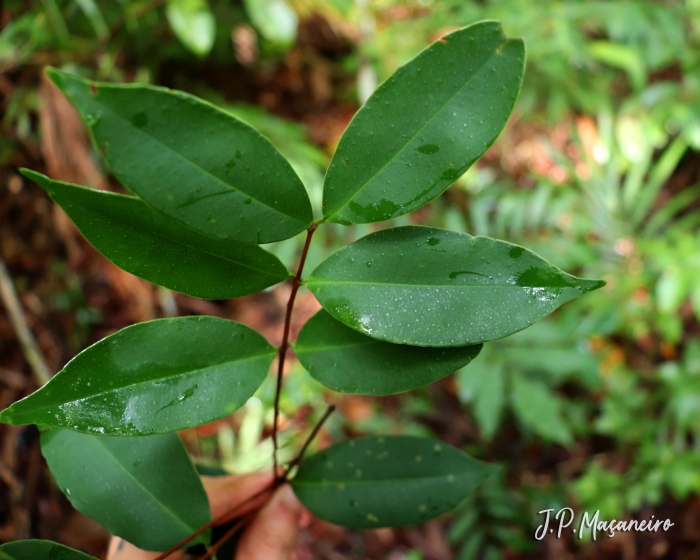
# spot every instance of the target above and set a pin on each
(595, 407)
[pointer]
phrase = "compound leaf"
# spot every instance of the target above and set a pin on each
(425, 126)
(345, 360)
(144, 490)
(40, 550)
(386, 481)
(150, 245)
(153, 377)
(191, 160)
(431, 287)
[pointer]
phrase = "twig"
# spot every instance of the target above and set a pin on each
(311, 437)
(224, 518)
(227, 535)
(26, 339)
(285, 344)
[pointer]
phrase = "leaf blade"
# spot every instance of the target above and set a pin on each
(164, 146)
(430, 287)
(347, 361)
(411, 140)
(163, 251)
(154, 377)
(386, 481)
(119, 472)
(34, 549)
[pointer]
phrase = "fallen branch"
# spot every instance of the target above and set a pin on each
(26, 339)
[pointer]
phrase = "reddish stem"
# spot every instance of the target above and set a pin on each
(311, 437)
(224, 518)
(285, 344)
(232, 531)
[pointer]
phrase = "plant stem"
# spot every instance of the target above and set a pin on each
(311, 437)
(218, 521)
(232, 531)
(285, 345)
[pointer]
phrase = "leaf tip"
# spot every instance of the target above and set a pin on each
(6, 416)
(587, 286)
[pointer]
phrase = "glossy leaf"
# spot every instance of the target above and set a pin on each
(144, 490)
(345, 360)
(40, 550)
(155, 247)
(191, 160)
(387, 481)
(153, 377)
(431, 287)
(425, 126)
(193, 23)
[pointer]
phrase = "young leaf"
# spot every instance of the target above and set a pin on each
(431, 287)
(386, 481)
(191, 160)
(193, 23)
(344, 360)
(153, 377)
(40, 550)
(425, 126)
(144, 490)
(150, 245)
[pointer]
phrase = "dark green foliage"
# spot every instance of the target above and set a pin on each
(402, 307)
(39, 550)
(425, 126)
(191, 160)
(144, 490)
(431, 287)
(153, 377)
(144, 242)
(350, 362)
(387, 481)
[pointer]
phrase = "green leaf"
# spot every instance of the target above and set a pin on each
(386, 481)
(40, 550)
(483, 383)
(193, 23)
(425, 126)
(344, 360)
(191, 160)
(431, 287)
(153, 377)
(150, 245)
(274, 19)
(537, 407)
(144, 490)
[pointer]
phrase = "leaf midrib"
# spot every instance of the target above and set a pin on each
(153, 380)
(194, 247)
(310, 283)
(195, 165)
(428, 122)
(301, 349)
(356, 482)
(162, 506)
